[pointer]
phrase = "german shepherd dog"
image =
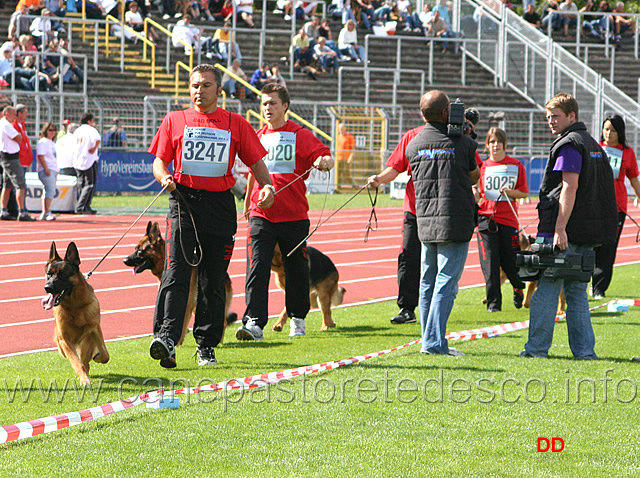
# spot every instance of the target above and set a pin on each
(323, 285)
(76, 311)
(150, 254)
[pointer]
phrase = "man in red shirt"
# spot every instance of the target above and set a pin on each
(293, 150)
(26, 153)
(201, 143)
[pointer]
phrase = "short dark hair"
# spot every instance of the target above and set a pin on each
(282, 92)
(204, 67)
(85, 118)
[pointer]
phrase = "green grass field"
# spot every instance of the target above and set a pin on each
(402, 414)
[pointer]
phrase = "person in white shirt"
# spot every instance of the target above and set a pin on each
(85, 161)
(348, 42)
(66, 150)
(12, 171)
(47, 168)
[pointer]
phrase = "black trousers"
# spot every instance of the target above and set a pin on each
(87, 182)
(409, 264)
(497, 246)
(214, 214)
(605, 257)
(262, 239)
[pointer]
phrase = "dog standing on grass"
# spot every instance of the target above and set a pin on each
(150, 254)
(76, 311)
(323, 285)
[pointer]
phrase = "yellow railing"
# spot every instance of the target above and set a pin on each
(149, 22)
(140, 37)
(184, 66)
(296, 117)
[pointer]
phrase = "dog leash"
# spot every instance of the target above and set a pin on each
(372, 215)
(328, 217)
(637, 227)
(279, 190)
(198, 248)
(88, 274)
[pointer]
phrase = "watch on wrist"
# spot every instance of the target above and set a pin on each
(270, 186)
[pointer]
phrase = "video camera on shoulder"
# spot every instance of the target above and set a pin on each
(554, 263)
(457, 120)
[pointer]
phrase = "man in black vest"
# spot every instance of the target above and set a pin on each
(577, 211)
(443, 169)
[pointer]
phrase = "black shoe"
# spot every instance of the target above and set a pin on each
(206, 356)
(7, 217)
(635, 359)
(518, 298)
(163, 350)
(26, 217)
(405, 316)
(91, 211)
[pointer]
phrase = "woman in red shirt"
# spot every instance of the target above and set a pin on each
(623, 162)
(502, 180)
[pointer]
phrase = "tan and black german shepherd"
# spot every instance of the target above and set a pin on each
(76, 311)
(323, 285)
(150, 254)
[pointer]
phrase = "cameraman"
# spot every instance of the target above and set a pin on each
(409, 257)
(577, 210)
(443, 168)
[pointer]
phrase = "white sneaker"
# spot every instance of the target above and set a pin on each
(249, 331)
(50, 217)
(455, 353)
(287, 18)
(297, 327)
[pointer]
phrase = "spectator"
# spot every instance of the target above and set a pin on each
(531, 16)
(305, 10)
(348, 42)
(302, 53)
(227, 43)
(596, 25)
(199, 9)
(26, 153)
(185, 32)
(215, 7)
(260, 78)
(47, 168)
(577, 210)
(73, 69)
(85, 162)
(226, 12)
(244, 10)
(133, 18)
(550, 14)
(383, 12)
(411, 18)
(438, 28)
(26, 43)
(569, 15)
(275, 75)
(324, 30)
(622, 22)
(284, 7)
(623, 163)
(498, 220)
(327, 58)
(12, 171)
(312, 29)
(63, 129)
(367, 13)
(229, 83)
(342, 10)
(4, 99)
(425, 16)
(66, 150)
(167, 10)
(19, 24)
(115, 137)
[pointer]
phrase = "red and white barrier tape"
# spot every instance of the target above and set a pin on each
(58, 422)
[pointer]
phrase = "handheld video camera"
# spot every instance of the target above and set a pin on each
(472, 116)
(457, 120)
(554, 263)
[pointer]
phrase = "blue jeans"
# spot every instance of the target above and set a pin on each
(442, 266)
(542, 314)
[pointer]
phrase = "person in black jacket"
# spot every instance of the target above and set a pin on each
(443, 169)
(577, 211)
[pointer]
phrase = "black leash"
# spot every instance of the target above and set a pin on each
(372, 215)
(198, 247)
(328, 217)
(637, 227)
(87, 275)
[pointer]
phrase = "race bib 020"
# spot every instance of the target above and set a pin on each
(281, 148)
(205, 151)
(497, 177)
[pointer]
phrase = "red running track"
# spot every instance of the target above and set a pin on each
(367, 270)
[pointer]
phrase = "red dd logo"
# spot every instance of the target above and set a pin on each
(556, 444)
